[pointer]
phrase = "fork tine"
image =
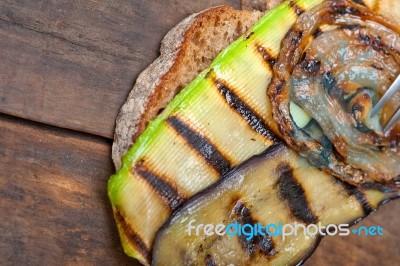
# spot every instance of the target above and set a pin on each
(386, 97)
(395, 118)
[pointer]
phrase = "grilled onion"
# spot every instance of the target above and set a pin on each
(335, 63)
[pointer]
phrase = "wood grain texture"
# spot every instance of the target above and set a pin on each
(364, 250)
(73, 63)
(54, 206)
(55, 211)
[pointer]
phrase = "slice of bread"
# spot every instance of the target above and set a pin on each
(185, 51)
(262, 5)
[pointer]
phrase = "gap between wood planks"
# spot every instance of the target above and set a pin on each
(56, 129)
(53, 194)
(78, 226)
(72, 64)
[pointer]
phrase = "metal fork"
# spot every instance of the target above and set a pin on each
(386, 97)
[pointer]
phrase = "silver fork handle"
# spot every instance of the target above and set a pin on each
(386, 97)
(395, 118)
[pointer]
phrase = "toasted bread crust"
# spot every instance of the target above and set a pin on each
(185, 51)
(262, 5)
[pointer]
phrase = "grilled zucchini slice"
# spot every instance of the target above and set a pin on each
(218, 121)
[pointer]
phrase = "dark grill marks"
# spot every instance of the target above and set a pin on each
(344, 10)
(363, 201)
(311, 66)
(377, 67)
(248, 35)
(266, 55)
(292, 193)
(255, 122)
(376, 43)
(365, 39)
(297, 9)
(359, 195)
(201, 145)
(317, 32)
(280, 86)
(381, 187)
(166, 191)
(210, 261)
(360, 2)
(259, 243)
(296, 38)
(351, 27)
(132, 236)
(329, 84)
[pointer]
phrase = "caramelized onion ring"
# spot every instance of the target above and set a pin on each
(335, 64)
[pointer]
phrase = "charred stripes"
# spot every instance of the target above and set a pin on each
(311, 66)
(297, 9)
(201, 145)
(344, 10)
(255, 122)
(317, 33)
(259, 243)
(293, 193)
(363, 201)
(210, 261)
(266, 55)
(360, 2)
(131, 235)
(359, 195)
(296, 39)
(166, 191)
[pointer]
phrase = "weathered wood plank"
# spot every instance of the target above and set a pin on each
(364, 250)
(72, 63)
(54, 207)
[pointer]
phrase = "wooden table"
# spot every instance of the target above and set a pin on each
(66, 68)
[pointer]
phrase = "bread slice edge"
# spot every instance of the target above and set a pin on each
(198, 37)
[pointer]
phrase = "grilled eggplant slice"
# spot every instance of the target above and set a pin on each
(275, 187)
(218, 121)
(335, 63)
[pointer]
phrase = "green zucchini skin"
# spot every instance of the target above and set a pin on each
(275, 187)
(217, 122)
